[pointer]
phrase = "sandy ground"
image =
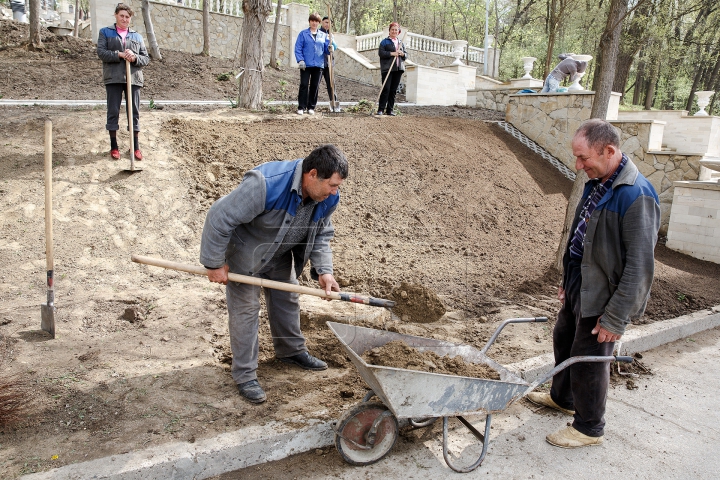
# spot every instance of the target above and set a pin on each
(443, 202)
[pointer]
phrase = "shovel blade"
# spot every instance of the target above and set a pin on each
(47, 322)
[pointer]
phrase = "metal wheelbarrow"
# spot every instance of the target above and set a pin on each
(367, 432)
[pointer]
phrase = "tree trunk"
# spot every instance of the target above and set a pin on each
(639, 82)
(153, 48)
(552, 29)
(35, 39)
(696, 81)
(609, 46)
(622, 72)
(77, 18)
(273, 49)
(251, 56)
(575, 196)
(206, 28)
(652, 82)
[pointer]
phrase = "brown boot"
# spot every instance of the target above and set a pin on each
(571, 438)
(544, 400)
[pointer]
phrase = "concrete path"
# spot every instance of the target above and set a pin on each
(669, 427)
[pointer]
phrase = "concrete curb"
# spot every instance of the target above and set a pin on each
(77, 103)
(255, 445)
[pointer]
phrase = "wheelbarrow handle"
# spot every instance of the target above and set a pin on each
(510, 320)
(261, 282)
(573, 360)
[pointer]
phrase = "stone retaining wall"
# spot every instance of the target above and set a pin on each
(695, 220)
(491, 99)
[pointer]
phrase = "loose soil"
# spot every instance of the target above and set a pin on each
(439, 201)
(398, 354)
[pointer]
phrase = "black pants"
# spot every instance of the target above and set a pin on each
(114, 99)
(328, 84)
(309, 87)
(581, 387)
(387, 97)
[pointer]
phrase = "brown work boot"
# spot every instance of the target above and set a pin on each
(544, 400)
(571, 438)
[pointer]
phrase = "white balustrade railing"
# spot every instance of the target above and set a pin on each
(428, 44)
(421, 43)
(369, 42)
(227, 7)
(476, 54)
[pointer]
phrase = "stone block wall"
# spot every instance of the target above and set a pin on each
(661, 169)
(491, 99)
(434, 86)
(550, 119)
(349, 64)
(695, 220)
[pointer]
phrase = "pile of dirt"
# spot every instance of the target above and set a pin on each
(416, 303)
(398, 354)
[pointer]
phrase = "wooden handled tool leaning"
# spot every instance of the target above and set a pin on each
(261, 282)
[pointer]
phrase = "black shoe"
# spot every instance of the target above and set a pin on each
(392, 114)
(306, 361)
(252, 391)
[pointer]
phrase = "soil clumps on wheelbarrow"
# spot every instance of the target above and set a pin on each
(398, 354)
(416, 303)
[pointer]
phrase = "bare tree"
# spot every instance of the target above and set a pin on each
(35, 39)
(273, 49)
(153, 48)
(251, 56)
(206, 28)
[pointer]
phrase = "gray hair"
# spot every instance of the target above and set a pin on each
(598, 134)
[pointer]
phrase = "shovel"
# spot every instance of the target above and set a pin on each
(261, 282)
(47, 310)
(128, 97)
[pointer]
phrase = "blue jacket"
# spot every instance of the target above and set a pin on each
(110, 44)
(250, 222)
(618, 261)
(312, 50)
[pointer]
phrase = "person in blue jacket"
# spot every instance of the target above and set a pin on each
(311, 47)
(276, 221)
(116, 45)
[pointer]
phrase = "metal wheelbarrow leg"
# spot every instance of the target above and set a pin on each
(484, 438)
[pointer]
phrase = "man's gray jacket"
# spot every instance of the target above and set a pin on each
(250, 222)
(618, 261)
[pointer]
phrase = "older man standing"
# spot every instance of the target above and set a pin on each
(270, 226)
(608, 271)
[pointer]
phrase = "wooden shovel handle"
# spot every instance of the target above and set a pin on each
(48, 198)
(261, 282)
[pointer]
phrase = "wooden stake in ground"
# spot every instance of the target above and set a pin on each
(47, 310)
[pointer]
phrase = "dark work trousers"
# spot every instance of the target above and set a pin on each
(387, 97)
(309, 87)
(583, 386)
(328, 84)
(114, 99)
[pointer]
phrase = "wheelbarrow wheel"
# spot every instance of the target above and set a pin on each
(354, 433)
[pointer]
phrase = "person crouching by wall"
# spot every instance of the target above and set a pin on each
(311, 47)
(392, 59)
(116, 45)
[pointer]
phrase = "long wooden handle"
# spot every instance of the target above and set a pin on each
(261, 282)
(330, 63)
(48, 196)
(48, 222)
(128, 97)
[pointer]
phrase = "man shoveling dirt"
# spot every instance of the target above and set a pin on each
(276, 220)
